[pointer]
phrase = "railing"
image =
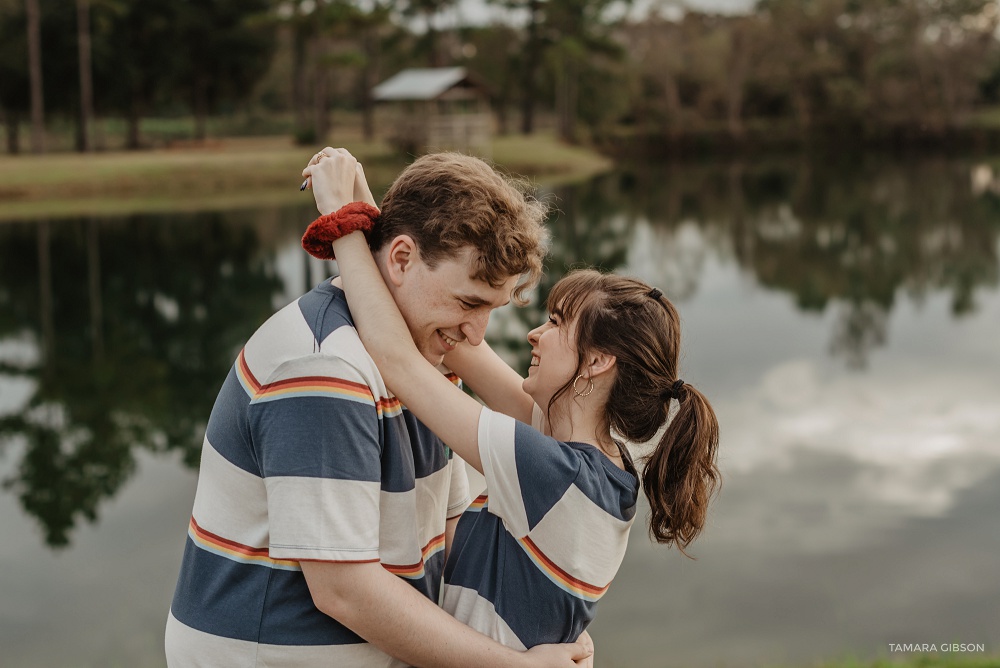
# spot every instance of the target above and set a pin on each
(462, 132)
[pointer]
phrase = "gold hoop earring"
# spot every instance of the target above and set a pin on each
(589, 389)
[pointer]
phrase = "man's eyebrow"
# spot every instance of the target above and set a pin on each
(479, 301)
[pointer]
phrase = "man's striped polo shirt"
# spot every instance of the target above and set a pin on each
(307, 456)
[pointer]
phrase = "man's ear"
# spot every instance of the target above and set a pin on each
(400, 258)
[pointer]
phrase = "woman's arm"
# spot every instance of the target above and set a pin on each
(444, 408)
(491, 379)
(435, 400)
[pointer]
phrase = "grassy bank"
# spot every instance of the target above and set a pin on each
(229, 173)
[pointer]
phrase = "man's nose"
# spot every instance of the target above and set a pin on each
(474, 328)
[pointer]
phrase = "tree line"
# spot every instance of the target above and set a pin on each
(599, 67)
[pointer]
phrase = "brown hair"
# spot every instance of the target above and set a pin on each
(447, 201)
(621, 316)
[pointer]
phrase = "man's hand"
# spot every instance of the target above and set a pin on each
(568, 655)
(333, 173)
(588, 642)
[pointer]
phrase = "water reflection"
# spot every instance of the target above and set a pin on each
(851, 237)
(842, 318)
(124, 328)
(123, 331)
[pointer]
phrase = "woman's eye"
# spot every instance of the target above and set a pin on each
(553, 321)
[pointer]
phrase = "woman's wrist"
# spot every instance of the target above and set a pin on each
(322, 232)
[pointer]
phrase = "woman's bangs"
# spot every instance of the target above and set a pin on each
(570, 294)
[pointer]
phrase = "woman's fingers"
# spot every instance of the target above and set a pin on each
(336, 158)
(362, 191)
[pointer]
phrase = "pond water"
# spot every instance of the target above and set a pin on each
(843, 319)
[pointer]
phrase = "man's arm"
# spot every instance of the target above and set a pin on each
(396, 618)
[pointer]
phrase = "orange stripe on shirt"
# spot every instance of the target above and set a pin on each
(480, 502)
(243, 369)
(237, 551)
(317, 383)
(583, 588)
(416, 570)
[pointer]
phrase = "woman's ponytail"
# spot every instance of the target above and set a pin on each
(680, 475)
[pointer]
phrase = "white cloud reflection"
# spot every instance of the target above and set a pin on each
(819, 464)
(672, 259)
(819, 454)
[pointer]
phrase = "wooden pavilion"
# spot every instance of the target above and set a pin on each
(433, 109)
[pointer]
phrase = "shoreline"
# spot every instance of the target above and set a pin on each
(219, 175)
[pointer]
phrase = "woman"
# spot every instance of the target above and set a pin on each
(532, 556)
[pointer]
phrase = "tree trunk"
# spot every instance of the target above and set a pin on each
(100, 140)
(502, 102)
(736, 80)
(132, 127)
(321, 117)
(801, 103)
(743, 232)
(94, 289)
(320, 78)
(368, 74)
(435, 58)
(45, 299)
(672, 104)
(13, 124)
(86, 73)
(299, 43)
(532, 53)
(566, 94)
(200, 108)
(35, 74)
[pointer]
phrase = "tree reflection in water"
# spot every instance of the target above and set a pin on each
(852, 238)
(135, 323)
(125, 329)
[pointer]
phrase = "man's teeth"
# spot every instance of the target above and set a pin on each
(450, 341)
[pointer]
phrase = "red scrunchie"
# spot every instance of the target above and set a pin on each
(323, 231)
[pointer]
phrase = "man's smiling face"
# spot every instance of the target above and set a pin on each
(446, 305)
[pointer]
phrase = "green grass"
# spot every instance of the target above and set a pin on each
(988, 117)
(544, 155)
(230, 173)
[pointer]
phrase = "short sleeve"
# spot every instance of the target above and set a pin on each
(526, 471)
(316, 436)
(458, 491)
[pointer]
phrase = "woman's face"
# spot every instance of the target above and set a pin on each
(554, 359)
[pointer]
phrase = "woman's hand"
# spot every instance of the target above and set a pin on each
(336, 179)
(362, 193)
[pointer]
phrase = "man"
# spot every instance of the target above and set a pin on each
(323, 508)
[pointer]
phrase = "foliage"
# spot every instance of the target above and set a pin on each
(817, 63)
(146, 55)
(845, 68)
